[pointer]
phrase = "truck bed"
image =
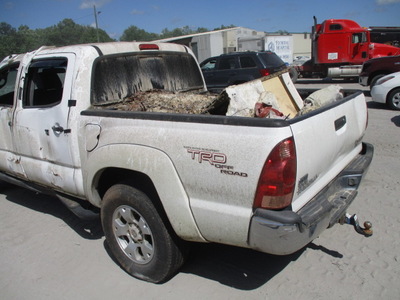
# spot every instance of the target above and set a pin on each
(218, 159)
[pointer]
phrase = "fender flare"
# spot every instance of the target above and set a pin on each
(157, 165)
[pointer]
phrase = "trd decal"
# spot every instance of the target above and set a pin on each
(211, 157)
(214, 158)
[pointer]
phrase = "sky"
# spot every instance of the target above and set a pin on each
(114, 16)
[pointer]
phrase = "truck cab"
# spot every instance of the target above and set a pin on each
(340, 47)
(339, 41)
(345, 42)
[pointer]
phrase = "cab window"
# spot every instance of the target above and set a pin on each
(45, 82)
(335, 27)
(359, 38)
(8, 77)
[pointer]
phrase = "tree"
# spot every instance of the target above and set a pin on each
(6, 29)
(133, 33)
(26, 39)
(282, 32)
(67, 32)
(202, 29)
(8, 40)
(225, 27)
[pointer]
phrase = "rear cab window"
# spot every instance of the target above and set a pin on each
(117, 77)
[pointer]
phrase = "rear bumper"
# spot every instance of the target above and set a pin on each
(379, 93)
(285, 232)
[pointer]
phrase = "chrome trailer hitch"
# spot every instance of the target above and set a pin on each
(353, 220)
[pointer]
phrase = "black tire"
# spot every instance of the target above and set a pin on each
(375, 79)
(138, 237)
(393, 99)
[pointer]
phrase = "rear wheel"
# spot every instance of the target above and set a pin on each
(138, 236)
(393, 99)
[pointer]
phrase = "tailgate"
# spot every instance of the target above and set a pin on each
(326, 140)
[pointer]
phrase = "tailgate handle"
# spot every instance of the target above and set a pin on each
(339, 123)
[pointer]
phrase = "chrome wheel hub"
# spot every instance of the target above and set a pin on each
(133, 234)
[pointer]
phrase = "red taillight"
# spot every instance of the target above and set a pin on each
(149, 47)
(278, 177)
(265, 72)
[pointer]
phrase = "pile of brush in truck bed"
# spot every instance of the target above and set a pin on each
(171, 102)
(268, 97)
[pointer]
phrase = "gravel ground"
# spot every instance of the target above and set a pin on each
(47, 253)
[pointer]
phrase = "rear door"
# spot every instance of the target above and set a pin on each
(249, 68)
(8, 76)
(41, 122)
(326, 141)
(228, 67)
(221, 75)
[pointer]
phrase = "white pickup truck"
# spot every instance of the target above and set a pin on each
(162, 179)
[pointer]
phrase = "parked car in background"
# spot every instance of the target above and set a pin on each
(239, 67)
(387, 90)
(374, 69)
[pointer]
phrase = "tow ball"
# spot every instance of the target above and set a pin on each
(353, 220)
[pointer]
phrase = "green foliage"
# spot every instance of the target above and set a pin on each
(67, 32)
(133, 33)
(224, 27)
(8, 39)
(283, 32)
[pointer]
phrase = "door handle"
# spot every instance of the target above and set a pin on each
(57, 129)
(339, 123)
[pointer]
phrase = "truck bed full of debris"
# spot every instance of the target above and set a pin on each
(269, 97)
(170, 102)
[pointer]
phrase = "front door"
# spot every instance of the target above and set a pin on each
(359, 48)
(41, 122)
(9, 162)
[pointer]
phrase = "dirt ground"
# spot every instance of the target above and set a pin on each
(48, 253)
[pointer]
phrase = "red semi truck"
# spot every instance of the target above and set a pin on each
(339, 48)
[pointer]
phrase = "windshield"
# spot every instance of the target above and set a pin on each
(118, 77)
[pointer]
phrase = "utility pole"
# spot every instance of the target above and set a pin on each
(97, 25)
